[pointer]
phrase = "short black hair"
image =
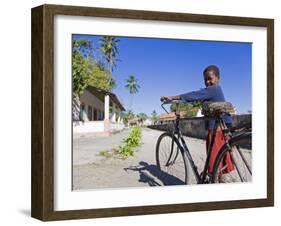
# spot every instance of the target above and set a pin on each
(213, 68)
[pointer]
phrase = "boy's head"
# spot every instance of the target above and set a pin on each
(211, 75)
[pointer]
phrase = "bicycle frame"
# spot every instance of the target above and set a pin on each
(200, 178)
(177, 133)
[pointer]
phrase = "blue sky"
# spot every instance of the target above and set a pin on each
(171, 67)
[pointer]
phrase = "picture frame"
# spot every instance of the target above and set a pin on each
(43, 174)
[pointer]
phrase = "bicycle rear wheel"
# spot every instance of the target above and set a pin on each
(240, 150)
(171, 160)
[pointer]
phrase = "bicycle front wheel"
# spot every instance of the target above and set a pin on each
(240, 153)
(170, 160)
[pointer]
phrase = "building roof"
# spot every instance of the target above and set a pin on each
(171, 116)
(100, 93)
(167, 117)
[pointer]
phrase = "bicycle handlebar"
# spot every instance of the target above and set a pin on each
(165, 101)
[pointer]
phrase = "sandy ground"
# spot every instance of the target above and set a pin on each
(96, 166)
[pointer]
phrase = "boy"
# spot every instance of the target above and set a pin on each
(214, 93)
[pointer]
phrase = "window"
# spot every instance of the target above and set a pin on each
(90, 113)
(82, 111)
(95, 114)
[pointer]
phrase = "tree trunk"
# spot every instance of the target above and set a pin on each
(75, 108)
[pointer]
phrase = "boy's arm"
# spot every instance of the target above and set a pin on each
(200, 95)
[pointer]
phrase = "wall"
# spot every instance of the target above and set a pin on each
(15, 138)
(195, 127)
(89, 99)
(88, 127)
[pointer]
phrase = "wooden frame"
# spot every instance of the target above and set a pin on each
(43, 120)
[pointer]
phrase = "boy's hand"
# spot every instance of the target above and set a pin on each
(166, 98)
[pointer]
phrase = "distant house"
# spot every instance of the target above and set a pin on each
(133, 122)
(148, 122)
(167, 117)
(138, 122)
(97, 111)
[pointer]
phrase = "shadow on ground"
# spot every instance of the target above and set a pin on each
(148, 173)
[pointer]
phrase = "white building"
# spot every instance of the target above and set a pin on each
(97, 111)
(148, 122)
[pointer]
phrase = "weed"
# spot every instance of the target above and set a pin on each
(131, 142)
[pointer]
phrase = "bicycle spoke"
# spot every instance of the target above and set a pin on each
(244, 159)
(240, 156)
(170, 160)
(237, 168)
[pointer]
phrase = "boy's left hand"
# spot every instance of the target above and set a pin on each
(166, 98)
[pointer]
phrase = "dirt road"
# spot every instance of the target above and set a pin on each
(95, 165)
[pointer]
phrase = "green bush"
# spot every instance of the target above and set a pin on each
(131, 142)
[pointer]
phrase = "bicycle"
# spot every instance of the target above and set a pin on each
(174, 159)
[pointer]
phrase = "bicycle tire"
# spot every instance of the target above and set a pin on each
(172, 163)
(241, 156)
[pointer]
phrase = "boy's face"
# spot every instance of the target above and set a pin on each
(211, 78)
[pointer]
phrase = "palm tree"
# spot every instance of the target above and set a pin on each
(133, 87)
(109, 48)
(130, 114)
(127, 116)
(142, 117)
(154, 116)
